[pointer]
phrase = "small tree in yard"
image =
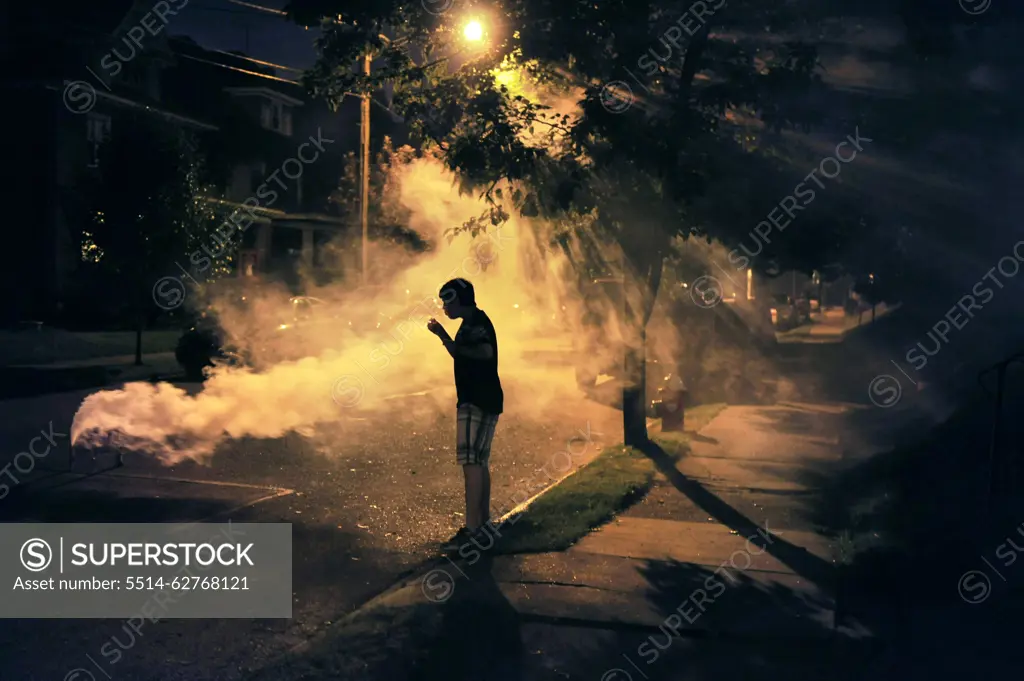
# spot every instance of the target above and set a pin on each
(621, 171)
(388, 218)
(148, 210)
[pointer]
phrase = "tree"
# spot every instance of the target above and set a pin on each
(713, 106)
(388, 217)
(148, 209)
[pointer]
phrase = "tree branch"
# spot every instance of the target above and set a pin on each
(691, 63)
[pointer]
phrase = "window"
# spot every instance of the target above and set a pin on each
(250, 262)
(271, 116)
(98, 128)
(97, 131)
(277, 117)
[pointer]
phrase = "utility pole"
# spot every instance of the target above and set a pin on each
(364, 156)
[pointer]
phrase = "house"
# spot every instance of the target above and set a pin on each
(264, 116)
(67, 94)
(250, 118)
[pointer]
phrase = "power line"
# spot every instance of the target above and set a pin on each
(269, 10)
(264, 75)
(258, 61)
(235, 68)
(225, 10)
(261, 8)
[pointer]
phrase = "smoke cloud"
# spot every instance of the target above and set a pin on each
(365, 345)
(369, 344)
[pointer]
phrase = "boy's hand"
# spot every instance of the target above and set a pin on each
(435, 328)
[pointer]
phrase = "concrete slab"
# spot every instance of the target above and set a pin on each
(574, 568)
(750, 610)
(615, 590)
(730, 474)
(784, 433)
(123, 497)
(651, 578)
(707, 544)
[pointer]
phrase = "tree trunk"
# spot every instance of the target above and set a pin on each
(634, 393)
(634, 388)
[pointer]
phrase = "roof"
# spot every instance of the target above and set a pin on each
(261, 211)
(183, 45)
(265, 92)
(207, 71)
(131, 103)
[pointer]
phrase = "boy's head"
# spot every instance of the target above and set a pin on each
(458, 298)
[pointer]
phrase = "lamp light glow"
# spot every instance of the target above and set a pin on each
(474, 31)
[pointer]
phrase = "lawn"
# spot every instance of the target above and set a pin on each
(923, 511)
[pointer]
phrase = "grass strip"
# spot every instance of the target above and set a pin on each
(616, 479)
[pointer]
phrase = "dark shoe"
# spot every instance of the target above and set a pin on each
(457, 540)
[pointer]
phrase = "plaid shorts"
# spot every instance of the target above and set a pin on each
(475, 432)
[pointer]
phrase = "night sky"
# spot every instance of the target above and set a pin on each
(226, 25)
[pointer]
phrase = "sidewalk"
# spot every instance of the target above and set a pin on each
(112, 361)
(121, 362)
(47, 344)
(31, 380)
(685, 585)
(832, 326)
(696, 582)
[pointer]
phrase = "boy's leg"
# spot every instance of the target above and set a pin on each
(476, 430)
(490, 423)
(485, 499)
(475, 475)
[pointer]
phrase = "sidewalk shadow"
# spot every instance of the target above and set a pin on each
(480, 633)
(798, 559)
(922, 509)
(715, 625)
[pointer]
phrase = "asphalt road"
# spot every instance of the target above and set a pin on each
(369, 499)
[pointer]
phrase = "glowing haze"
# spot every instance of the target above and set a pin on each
(368, 344)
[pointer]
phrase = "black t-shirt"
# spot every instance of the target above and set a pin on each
(476, 380)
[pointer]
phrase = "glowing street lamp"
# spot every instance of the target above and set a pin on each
(473, 32)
